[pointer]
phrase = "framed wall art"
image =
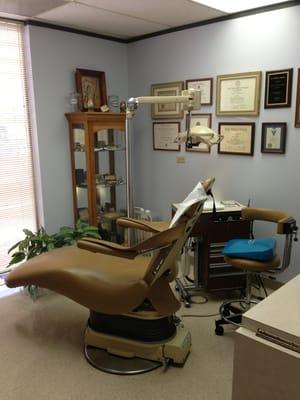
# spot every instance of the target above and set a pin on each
(167, 110)
(202, 120)
(205, 85)
(297, 114)
(273, 137)
(238, 94)
(164, 135)
(278, 89)
(238, 138)
(91, 87)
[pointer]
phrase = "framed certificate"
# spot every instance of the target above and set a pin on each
(273, 137)
(205, 86)
(238, 94)
(297, 115)
(238, 138)
(202, 120)
(164, 135)
(278, 88)
(168, 110)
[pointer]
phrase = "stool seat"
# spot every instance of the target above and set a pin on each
(253, 265)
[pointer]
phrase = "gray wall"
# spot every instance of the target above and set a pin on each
(54, 57)
(263, 42)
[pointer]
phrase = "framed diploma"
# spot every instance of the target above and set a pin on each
(164, 135)
(273, 137)
(202, 120)
(238, 138)
(297, 115)
(278, 88)
(238, 94)
(205, 86)
(168, 110)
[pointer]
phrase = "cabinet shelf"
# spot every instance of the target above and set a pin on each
(107, 148)
(106, 185)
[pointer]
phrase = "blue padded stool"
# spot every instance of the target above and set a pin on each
(255, 256)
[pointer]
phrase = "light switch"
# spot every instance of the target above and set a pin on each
(180, 159)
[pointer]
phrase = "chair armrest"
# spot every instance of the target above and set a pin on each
(284, 220)
(148, 226)
(105, 247)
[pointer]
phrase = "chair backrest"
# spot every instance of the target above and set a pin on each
(164, 262)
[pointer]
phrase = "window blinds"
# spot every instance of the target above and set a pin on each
(17, 199)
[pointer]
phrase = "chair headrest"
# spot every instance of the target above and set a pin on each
(198, 194)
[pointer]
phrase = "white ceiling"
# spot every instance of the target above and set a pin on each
(122, 19)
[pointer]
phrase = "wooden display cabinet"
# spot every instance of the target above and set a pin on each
(97, 145)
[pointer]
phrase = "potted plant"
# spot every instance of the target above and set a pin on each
(39, 242)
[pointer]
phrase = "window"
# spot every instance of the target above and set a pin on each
(17, 200)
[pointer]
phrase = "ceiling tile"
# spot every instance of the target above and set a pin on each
(99, 21)
(168, 12)
(28, 8)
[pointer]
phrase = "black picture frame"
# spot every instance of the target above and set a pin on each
(278, 88)
(297, 112)
(273, 137)
(238, 138)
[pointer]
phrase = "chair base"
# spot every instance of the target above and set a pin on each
(175, 350)
(231, 314)
(145, 326)
(104, 361)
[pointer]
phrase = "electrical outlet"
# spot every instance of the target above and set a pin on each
(180, 159)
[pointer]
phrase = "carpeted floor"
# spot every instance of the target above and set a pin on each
(41, 357)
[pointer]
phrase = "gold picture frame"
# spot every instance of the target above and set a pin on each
(171, 110)
(238, 94)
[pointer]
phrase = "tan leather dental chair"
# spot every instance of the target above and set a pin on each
(132, 328)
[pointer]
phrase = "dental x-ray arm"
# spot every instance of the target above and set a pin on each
(190, 100)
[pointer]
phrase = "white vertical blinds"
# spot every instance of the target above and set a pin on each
(17, 199)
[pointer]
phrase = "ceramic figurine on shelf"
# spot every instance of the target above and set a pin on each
(123, 106)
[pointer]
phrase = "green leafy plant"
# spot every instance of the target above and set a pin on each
(39, 242)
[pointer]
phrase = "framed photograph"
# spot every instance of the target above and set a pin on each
(91, 87)
(278, 89)
(167, 110)
(273, 137)
(206, 87)
(164, 135)
(202, 120)
(297, 115)
(238, 94)
(238, 138)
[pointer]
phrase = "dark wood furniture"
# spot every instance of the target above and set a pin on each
(211, 273)
(212, 233)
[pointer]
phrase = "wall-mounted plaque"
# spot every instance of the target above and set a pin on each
(278, 88)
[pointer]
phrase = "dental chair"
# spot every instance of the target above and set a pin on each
(255, 257)
(132, 326)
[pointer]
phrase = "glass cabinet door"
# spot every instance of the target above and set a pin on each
(110, 181)
(80, 173)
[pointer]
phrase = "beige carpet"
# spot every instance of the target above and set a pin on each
(41, 357)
